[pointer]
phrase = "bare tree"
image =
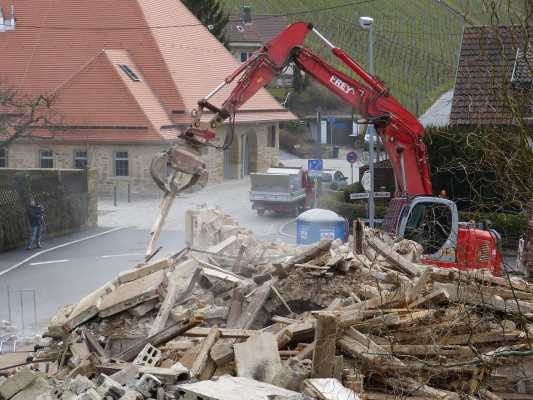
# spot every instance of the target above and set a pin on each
(22, 116)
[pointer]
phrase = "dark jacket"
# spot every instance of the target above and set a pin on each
(35, 214)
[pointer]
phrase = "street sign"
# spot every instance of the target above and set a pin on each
(359, 196)
(351, 157)
(366, 195)
(332, 120)
(315, 165)
(324, 131)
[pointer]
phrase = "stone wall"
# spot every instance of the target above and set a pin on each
(68, 198)
(101, 159)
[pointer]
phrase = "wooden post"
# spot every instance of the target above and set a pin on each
(325, 343)
(164, 208)
(358, 236)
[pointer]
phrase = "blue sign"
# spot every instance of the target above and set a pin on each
(332, 120)
(315, 165)
(351, 157)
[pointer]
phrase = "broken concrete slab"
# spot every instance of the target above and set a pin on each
(258, 358)
(137, 273)
(37, 390)
(131, 294)
(87, 308)
(79, 384)
(16, 383)
(232, 388)
(56, 326)
(177, 282)
(144, 308)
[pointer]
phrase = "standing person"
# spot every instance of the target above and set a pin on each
(36, 217)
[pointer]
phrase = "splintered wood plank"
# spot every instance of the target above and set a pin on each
(201, 361)
(325, 344)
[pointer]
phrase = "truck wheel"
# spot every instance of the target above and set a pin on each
(261, 211)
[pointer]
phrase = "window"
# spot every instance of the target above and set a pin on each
(271, 140)
(121, 163)
(3, 158)
(430, 225)
(133, 76)
(245, 55)
(46, 159)
(80, 159)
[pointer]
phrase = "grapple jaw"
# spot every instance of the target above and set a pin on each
(179, 169)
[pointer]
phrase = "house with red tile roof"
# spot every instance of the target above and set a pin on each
(494, 74)
(124, 76)
(246, 33)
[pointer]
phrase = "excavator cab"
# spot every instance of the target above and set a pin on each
(432, 222)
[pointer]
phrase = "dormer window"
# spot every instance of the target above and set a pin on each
(128, 71)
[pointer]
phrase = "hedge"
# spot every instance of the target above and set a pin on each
(510, 226)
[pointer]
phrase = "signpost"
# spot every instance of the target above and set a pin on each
(359, 196)
(351, 157)
(366, 195)
(315, 165)
(324, 131)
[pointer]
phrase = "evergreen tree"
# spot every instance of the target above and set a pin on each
(212, 14)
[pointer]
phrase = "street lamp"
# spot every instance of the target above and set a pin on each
(367, 23)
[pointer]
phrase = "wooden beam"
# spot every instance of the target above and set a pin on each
(325, 343)
(202, 358)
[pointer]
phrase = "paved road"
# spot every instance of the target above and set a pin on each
(64, 275)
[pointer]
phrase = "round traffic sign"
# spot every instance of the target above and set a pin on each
(351, 157)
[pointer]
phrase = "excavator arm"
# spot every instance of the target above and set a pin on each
(400, 131)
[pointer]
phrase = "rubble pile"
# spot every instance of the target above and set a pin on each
(231, 317)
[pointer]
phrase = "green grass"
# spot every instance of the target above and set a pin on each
(417, 41)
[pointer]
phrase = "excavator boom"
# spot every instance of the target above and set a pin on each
(400, 131)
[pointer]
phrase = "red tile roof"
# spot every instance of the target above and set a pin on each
(73, 48)
(262, 29)
(484, 76)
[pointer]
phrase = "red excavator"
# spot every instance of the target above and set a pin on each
(414, 213)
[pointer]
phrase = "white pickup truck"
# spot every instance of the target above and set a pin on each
(279, 190)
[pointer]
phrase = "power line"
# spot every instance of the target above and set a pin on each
(127, 28)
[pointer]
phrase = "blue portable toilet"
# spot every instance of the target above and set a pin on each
(318, 224)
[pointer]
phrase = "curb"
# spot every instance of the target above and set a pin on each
(282, 228)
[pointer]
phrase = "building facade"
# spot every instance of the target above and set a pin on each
(122, 88)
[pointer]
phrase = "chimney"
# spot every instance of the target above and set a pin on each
(13, 20)
(246, 14)
(2, 27)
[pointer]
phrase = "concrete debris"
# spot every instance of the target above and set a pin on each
(231, 317)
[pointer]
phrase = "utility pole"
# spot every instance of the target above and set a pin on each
(367, 24)
(318, 138)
